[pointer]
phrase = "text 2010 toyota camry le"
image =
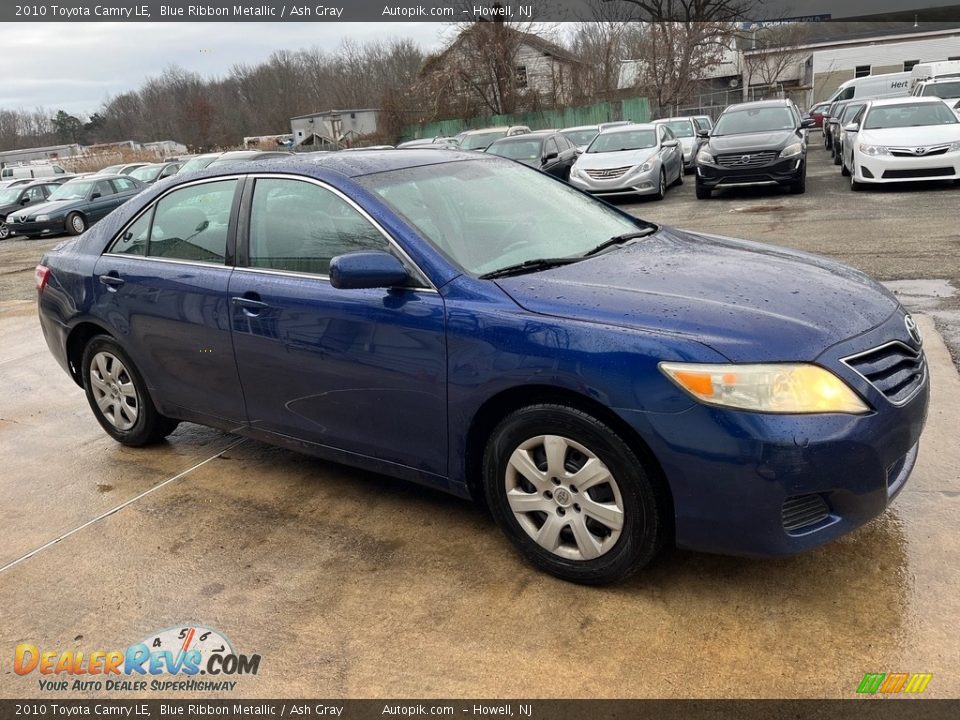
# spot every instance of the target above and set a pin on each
(606, 384)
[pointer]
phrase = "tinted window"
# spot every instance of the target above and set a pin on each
(580, 137)
(702, 124)
(123, 184)
(551, 147)
(57, 170)
(134, 239)
(301, 227)
(752, 120)
(525, 150)
(191, 223)
(36, 193)
(104, 188)
(943, 90)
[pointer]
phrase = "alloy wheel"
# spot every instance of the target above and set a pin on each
(77, 223)
(564, 497)
(4, 231)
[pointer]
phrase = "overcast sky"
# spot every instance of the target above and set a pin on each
(75, 67)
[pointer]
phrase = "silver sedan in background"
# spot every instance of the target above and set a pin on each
(632, 160)
(685, 130)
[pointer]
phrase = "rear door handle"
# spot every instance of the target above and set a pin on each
(250, 305)
(112, 281)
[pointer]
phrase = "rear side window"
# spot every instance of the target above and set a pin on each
(300, 227)
(124, 184)
(103, 188)
(188, 224)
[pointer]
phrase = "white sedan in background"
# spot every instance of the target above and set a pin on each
(902, 140)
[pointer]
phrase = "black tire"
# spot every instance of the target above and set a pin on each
(75, 223)
(662, 186)
(854, 185)
(843, 168)
(150, 426)
(4, 230)
(703, 193)
(837, 158)
(643, 530)
(800, 186)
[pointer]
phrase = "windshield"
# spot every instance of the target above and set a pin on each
(109, 170)
(147, 173)
(481, 140)
(943, 90)
(73, 190)
(909, 115)
(755, 120)
(488, 214)
(9, 195)
(623, 140)
(580, 137)
(680, 128)
(198, 163)
(523, 150)
(848, 112)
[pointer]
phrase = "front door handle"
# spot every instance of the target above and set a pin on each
(250, 304)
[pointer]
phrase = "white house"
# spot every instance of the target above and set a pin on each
(333, 127)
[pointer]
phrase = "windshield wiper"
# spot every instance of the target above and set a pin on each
(529, 266)
(621, 239)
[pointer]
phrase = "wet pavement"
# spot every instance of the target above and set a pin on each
(350, 584)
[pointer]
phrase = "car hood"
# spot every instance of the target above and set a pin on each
(621, 158)
(748, 301)
(752, 141)
(47, 208)
(925, 135)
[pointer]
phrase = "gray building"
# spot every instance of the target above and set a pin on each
(50, 152)
(333, 127)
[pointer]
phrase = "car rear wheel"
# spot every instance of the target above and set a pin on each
(4, 230)
(837, 158)
(703, 193)
(680, 175)
(118, 396)
(76, 223)
(571, 495)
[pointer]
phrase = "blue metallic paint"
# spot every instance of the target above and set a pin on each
(411, 370)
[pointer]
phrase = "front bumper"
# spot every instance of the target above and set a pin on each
(37, 229)
(633, 182)
(779, 172)
(889, 168)
(758, 484)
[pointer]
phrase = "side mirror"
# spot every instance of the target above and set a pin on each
(550, 156)
(807, 122)
(703, 133)
(852, 127)
(367, 269)
(95, 196)
(24, 200)
(671, 143)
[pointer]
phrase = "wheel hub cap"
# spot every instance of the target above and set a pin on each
(114, 391)
(564, 497)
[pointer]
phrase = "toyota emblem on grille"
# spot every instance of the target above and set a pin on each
(921, 151)
(912, 330)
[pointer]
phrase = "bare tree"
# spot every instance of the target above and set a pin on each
(772, 54)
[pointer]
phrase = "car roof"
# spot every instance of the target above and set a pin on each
(476, 131)
(630, 128)
(679, 117)
(907, 100)
(351, 164)
(525, 137)
(581, 127)
(779, 102)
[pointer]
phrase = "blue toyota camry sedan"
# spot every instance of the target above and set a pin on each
(606, 384)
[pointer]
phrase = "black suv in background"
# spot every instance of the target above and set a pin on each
(755, 143)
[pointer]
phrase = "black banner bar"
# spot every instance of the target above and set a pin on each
(447, 11)
(402, 709)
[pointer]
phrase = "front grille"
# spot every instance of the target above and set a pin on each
(895, 369)
(803, 511)
(608, 173)
(737, 179)
(926, 173)
(747, 159)
(912, 152)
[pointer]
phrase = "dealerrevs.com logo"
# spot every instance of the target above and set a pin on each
(189, 658)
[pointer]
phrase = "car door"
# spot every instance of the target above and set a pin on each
(552, 164)
(162, 287)
(126, 188)
(363, 371)
(850, 138)
(103, 199)
(33, 195)
(672, 156)
(568, 155)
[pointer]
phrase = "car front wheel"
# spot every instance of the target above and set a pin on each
(4, 230)
(118, 396)
(76, 223)
(571, 495)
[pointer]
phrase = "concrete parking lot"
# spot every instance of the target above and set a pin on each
(350, 584)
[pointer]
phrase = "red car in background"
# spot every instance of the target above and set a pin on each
(816, 112)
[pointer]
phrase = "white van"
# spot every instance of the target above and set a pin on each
(930, 70)
(12, 172)
(874, 87)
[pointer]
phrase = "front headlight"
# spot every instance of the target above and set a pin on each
(704, 157)
(645, 167)
(792, 150)
(873, 149)
(576, 172)
(954, 146)
(42, 218)
(772, 388)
